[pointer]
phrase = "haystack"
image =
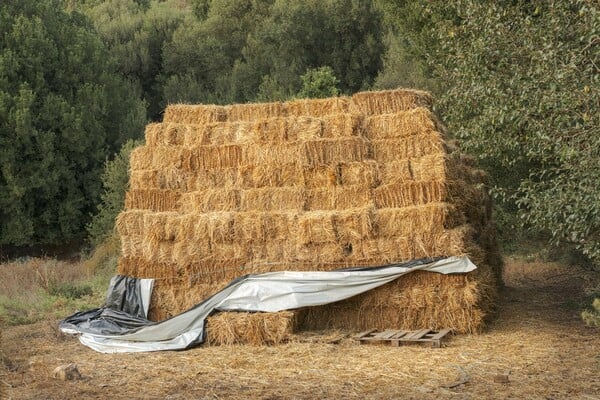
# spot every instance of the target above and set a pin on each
(222, 191)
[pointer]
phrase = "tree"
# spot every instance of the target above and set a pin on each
(62, 110)
(319, 83)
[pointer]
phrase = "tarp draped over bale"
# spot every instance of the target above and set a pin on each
(114, 329)
(220, 191)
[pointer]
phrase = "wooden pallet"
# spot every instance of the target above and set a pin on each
(398, 337)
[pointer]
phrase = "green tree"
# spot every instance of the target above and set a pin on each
(62, 110)
(520, 86)
(115, 179)
(319, 83)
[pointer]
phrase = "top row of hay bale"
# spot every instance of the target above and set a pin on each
(365, 103)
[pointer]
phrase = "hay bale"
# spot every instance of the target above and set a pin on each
(318, 107)
(330, 151)
(152, 199)
(228, 328)
(389, 101)
(194, 114)
(255, 111)
(401, 124)
(222, 191)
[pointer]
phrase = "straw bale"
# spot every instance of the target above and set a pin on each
(400, 124)
(152, 199)
(316, 227)
(413, 301)
(330, 151)
(387, 150)
(318, 107)
(130, 222)
(268, 130)
(194, 114)
(321, 175)
(258, 227)
(197, 135)
(270, 175)
(144, 179)
(252, 112)
(274, 155)
(212, 157)
(338, 197)
(389, 101)
(432, 217)
(343, 125)
(409, 194)
(211, 200)
(364, 173)
(272, 198)
(228, 328)
(353, 224)
(430, 167)
(320, 253)
(166, 134)
(304, 128)
(141, 158)
(214, 178)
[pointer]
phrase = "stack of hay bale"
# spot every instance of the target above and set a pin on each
(222, 191)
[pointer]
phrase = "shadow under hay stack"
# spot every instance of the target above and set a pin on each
(222, 191)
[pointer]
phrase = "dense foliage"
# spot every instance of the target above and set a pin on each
(63, 109)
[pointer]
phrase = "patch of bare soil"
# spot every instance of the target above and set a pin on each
(536, 347)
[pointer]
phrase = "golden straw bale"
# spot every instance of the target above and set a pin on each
(432, 217)
(130, 222)
(338, 197)
(353, 224)
(386, 150)
(316, 227)
(144, 179)
(320, 253)
(214, 178)
(152, 199)
(329, 151)
(321, 175)
(252, 112)
(430, 167)
(141, 158)
(176, 179)
(409, 194)
(343, 125)
(275, 154)
(270, 175)
(166, 134)
(365, 173)
(228, 328)
(212, 157)
(269, 130)
(400, 124)
(389, 101)
(197, 135)
(396, 172)
(211, 200)
(318, 107)
(194, 114)
(303, 128)
(272, 198)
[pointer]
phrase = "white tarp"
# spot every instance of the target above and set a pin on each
(268, 292)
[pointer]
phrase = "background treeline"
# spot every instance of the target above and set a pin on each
(517, 83)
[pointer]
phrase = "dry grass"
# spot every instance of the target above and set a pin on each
(536, 340)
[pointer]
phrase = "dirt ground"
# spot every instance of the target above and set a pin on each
(535, 348)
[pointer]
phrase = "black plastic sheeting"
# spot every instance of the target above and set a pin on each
(123, 310)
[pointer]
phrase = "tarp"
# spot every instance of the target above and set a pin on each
(111, 330)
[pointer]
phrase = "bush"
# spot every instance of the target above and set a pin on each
(592, 317)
